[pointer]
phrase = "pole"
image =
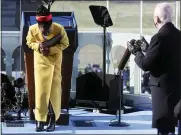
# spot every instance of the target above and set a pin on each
(118, 123)
(120, 93)
(104, 59)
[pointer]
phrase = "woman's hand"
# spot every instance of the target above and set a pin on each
(44, 50)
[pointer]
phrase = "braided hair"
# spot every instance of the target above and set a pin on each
(43, 17)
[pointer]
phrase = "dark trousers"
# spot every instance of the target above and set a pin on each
(164, 128)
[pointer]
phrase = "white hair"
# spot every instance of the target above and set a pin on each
(164, 12)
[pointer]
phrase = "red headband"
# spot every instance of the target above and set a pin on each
(44, 18)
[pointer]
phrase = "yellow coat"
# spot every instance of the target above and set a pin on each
(47, 70)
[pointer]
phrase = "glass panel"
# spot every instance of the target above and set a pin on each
(178, 14)
(82, 13)
(18, 66)
(145, 88)
(3, 61)
(126, 26)
(125, 16)
(90, 57)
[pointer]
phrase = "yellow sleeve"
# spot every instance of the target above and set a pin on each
(31, 42)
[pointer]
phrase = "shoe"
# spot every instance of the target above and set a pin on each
(39, 126)
(51, 124)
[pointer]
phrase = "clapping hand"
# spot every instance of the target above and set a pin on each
(133, 47)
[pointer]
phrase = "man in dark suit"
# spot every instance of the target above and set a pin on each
(162, 59)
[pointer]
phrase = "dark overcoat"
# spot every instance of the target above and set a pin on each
(162, 59)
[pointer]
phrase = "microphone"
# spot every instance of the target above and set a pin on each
(126, 56)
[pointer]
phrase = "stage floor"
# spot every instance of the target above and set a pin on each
(140, 123)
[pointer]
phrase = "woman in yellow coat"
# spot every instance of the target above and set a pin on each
(47, 67)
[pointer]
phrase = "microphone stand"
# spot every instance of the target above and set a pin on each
(118, 123)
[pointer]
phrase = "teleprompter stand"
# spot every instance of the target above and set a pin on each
(101, 17)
